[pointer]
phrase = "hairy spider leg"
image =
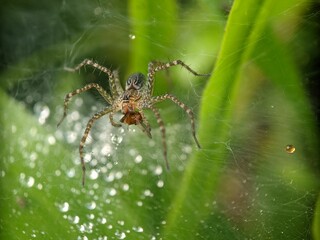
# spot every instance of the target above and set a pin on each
(68, 97)
(85, 135)
(184, 107)
(163, 133)
(156, 66)
(117, 82)
(145, 124)
(112, 79)
(113, 123)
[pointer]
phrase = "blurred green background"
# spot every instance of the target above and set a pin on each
(257, 173)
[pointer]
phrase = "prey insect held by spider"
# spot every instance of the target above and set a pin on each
(131, 102)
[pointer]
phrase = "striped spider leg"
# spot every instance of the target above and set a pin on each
(154, 67)
(114, 86)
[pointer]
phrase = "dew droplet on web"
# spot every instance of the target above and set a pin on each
(71, 172)
(51, 140)
(92, 205)
(112, 192)
(76, 220)
(158, 170)
(120, 235)
(138, 159)
(137, 229)
(30, 181)
(64, 207)
(116, 139)
(160, 184)
(125, 187)
(290, 148)
(93, 174)
(132, 36)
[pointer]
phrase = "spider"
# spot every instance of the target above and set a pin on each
(130, 101)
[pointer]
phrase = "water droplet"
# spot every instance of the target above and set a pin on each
(106, 150)
(103, 220)
(93, 174)
(138, 159)
(71, 173)
(76, 220)
(187, 149)
(51, 140)
(160, 184)
(125, 187)
(64, 207)
(116, 139)
(75, 116)
(92, 205)
(132, 36)
(13, 128)
(290, 148)
(30, 181)
(112, 192)
(71, 136)
(148, 193)
(121, 223)
(120, 235)
(137, 229)
(158, 170)
(118, 175)
(43, 112)
(57, 172)
(33, 156)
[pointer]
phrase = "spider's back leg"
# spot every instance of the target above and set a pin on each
(185, 108)
(163, 133)
(85, 135)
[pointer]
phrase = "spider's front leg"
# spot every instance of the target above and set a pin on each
(113, 76)
(156, 66)
(113, 123)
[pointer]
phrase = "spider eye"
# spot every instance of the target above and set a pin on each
(135, 81)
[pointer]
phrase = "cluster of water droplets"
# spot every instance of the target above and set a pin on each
(107, 172)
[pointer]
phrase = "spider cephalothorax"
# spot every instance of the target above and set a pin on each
(135, 81)
(130, 102)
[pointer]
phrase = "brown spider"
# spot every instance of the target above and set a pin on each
(130, 102)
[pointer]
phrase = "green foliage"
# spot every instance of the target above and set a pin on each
(242, 184)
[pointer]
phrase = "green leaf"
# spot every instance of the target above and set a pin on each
(253, 64)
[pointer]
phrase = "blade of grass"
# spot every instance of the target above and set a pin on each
(244, 42)
(197, 183)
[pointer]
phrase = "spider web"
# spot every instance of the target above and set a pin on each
(261, 193)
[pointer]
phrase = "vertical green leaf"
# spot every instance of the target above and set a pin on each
(252, 59)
